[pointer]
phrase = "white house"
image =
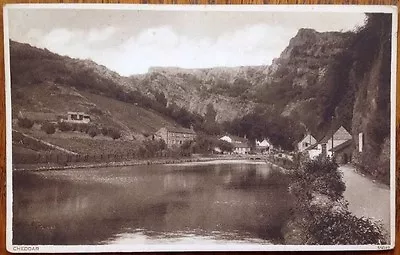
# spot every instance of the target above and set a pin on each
(331, 140)
(263, 146)
(240, 145)
(241, 148)
(77, 117)
(306, 142)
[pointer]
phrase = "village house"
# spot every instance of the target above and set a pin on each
(331, 140)
(77, 117)
(263, 146)
(306, 142)
(241, 148)
(240, 145)
(175, 136)
(342, 153)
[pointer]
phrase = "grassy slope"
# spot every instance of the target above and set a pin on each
(130, 119)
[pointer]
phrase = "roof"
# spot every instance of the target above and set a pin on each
(180, 130)
(312, 146)
(240, 145)
(342, 146)
(340, 134)
(235, 139)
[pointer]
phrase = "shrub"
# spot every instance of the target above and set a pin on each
(93, 131)
(321, 176)
(320, 213)
(95, 110)
(64, 126)
(25, 123)
(104, 131)
(114, 133)
(49, 128)
(341, 227)
(83, 128)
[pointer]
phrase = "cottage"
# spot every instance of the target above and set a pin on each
(174, 136)
(331, 140)
(77, 117)
(263, 146)
(240, 145)
(306, 142)
(342, 153)
(241, 148)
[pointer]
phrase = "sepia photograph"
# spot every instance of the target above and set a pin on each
(200, 128)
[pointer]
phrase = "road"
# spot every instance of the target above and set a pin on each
(366, 197)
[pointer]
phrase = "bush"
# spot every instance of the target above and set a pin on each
(318, 176)
(104, 131)
(49, 128)
(83, 128)
(93, 131)
(320, 214)
(25, 123)
(64, 126)
(114, 133)
(341, 227)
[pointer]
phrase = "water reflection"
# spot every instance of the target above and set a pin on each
(113, 205)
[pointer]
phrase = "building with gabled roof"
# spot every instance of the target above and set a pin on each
(307, 141)
(343, 152)
(175, 136)
(331, 140)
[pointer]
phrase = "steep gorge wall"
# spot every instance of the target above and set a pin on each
(372, 108)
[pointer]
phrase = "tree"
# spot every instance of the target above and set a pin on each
(49, 128)
(64, 126)
(25, 123)
(210, 113)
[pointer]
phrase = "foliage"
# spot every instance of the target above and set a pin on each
(151, 148)
(329, 227)
(321, 176)
(114, 133)
(266, 123)
(111, 132)
(224, 146)
(64, 126)
(25, 123)
(93, 131)
(321, 214)
(49, 128)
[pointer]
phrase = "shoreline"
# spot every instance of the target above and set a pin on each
(152, 161)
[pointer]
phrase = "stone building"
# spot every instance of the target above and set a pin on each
(174, 136)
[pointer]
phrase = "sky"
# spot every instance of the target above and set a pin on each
(131, 41)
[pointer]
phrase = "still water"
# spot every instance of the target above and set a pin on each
(213, 202)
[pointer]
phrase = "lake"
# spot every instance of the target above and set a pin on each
(213, 202)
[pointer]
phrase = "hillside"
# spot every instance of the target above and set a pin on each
(46, 82)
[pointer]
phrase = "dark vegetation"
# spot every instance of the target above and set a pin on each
(25, 123)
(49, 128)
(321, 216)
(265, 123)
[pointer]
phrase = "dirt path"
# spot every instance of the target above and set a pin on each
(366, 197)
(46, 143)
